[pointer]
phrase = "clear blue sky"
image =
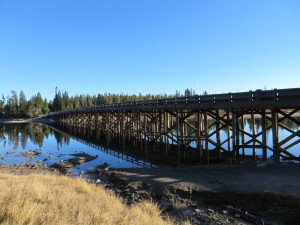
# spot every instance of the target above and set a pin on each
(148, 46)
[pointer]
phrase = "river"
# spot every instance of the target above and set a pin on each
(43, 144)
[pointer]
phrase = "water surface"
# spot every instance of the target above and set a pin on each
(52, 146)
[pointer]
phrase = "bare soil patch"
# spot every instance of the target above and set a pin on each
(248, 193)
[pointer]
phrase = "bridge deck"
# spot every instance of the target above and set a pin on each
(259, 99)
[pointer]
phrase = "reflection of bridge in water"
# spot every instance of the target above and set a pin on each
(80, 137)
(183, 126)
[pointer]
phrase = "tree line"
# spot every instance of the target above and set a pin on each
(16, 105)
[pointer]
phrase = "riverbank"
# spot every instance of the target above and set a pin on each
(27, 120)
(248, 193)
(241, 193)
(15, 120)
(51, 199)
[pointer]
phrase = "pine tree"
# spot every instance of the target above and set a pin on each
(61, 103)
(2, 104)
(58, 102)
(45, 107)
(22, 104)
(12, 103)
(35, 106)
(30, 109)
(66, 101)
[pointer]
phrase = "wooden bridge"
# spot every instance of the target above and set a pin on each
(209, 126)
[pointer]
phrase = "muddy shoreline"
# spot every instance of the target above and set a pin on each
(255, 194)
(248, 193)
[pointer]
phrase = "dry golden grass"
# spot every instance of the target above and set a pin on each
(50, 199)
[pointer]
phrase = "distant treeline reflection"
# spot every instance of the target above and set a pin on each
(18, 134)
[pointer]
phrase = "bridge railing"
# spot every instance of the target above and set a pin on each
(252, 99)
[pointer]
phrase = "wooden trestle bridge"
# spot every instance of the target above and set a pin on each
(209, 126)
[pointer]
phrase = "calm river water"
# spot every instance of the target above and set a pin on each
(49, 146)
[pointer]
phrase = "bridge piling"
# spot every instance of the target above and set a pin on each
(252, 121)
(206, 136)
(264, 135)
(275, 135)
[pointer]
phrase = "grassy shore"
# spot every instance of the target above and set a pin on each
(52, 199)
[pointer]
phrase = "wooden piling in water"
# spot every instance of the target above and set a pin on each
(206, 136)
(275, 135)
(264, 135)
(252, 125)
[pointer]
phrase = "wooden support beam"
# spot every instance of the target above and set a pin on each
(287, 139)
(199, 139)
(178, 126)
(218, 130)
(145, 134)
(166, 125)
(234, 129)
(252, 125)
(242, 134)
(228, 133)
(140, 127)
(206, 136)
(264, 135)
(276, 150)
(182, 133)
